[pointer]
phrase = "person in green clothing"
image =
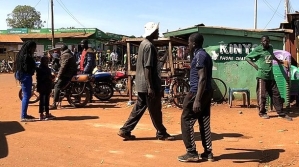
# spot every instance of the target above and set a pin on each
(261, 59)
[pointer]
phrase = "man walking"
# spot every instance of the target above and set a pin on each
(67, 70)
(197, 103)
(148, 86)
(263, 55)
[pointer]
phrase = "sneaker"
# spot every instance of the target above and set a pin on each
(27, 120)
(286, 117)
(207, 156)
(189, 157)
(126, 136)
(53, 107)
(29, 117)
(264, 116)
(41, 117)
(49, 116)
(166, 137)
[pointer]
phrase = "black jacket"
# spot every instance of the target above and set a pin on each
(44, 79)
(68, 64)
(28, 64)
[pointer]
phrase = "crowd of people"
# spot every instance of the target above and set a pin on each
(197, 102)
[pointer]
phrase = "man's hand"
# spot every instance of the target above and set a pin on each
(285, 63)
(196, 106)
(56, 79)
(150, 92)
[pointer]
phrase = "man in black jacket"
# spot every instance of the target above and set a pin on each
(67, 70)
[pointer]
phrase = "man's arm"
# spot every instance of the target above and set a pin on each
(284, 62)
(148, 58)
(249, 60)
(90, 59)
(62, 65)
(148, 76)
(252, 55)
(202, 74)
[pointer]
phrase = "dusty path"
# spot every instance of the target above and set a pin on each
(87, 137)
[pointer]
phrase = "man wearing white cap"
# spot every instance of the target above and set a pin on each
(148, 86)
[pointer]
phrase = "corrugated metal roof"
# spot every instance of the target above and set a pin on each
(57, 35)
(10, 38)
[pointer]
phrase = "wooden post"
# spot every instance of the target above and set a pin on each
(170, 58)
(128, 71)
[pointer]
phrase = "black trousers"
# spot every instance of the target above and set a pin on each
(189, 117)
(270, 87)
(61, 83)
(44, 102)
(154, 107)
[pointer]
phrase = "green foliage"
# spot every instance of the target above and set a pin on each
(24, 17)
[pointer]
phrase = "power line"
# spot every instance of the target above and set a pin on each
(37, 3)
(68, 12)
(275, 11)
(273, 14)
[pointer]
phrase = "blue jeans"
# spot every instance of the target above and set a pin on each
(26, 84)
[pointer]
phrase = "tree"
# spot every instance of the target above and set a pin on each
(24, 17)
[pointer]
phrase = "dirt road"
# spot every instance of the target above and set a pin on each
(87, 137)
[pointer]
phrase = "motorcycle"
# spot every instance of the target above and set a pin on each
(101, 85)
(120, 81)
(75, 90)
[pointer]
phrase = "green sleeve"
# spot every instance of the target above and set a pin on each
(253, 54)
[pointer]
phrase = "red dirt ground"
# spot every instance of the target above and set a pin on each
(87, 137)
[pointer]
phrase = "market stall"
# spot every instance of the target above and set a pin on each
(172, 65)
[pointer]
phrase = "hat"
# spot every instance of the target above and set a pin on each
(149, 28)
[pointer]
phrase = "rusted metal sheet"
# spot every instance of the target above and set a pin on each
(10, 39)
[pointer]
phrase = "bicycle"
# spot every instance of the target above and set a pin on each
(218, 86)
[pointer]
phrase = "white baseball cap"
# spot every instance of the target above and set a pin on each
(149, 28)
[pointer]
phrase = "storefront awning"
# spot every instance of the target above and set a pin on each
(56, 35)
(10, 39)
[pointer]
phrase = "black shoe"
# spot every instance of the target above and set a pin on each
(286, 117)
(126, 136)
(264, 116)
(208, 156)
(189, 157)
(53, 107)
(166, 137)
(29, 117)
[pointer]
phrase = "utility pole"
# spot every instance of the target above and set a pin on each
(287, 10)
(52, 27)
(255, 14)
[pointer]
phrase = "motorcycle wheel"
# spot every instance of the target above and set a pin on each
(76, 94)
(103, 91)
(33, 99)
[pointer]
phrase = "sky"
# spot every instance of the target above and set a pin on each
(128, 17)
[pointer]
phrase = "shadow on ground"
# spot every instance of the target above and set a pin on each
(8, 128)
(215, 136)
(251, 155)
(75, 118)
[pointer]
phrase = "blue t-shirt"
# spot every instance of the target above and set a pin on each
(201, 59)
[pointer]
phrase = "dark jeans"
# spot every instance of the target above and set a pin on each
(270, 87)
(60, 84)
(44, 102)
(26, 84)
(154, 107)
(189, 117)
